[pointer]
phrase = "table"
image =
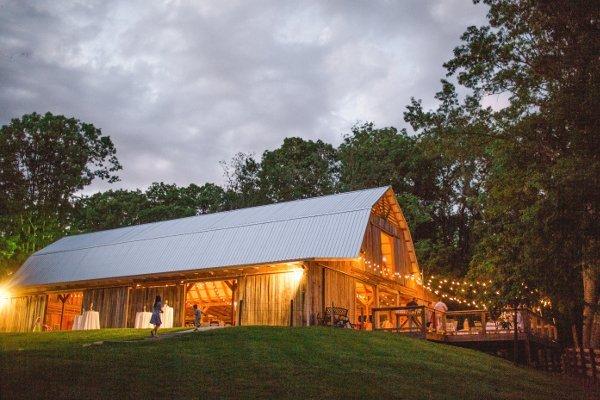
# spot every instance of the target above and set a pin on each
(88, 320)
(77, 323)
(167, 317)
(142, 320)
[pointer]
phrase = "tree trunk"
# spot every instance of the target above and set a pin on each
(590, 301)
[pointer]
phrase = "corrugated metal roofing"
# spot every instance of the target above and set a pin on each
(320, 227)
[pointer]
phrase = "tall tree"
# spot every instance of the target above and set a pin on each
(298, 169)
(451, 145)
(44, 161)
(541, 196)
(243, 183)
(113, 209)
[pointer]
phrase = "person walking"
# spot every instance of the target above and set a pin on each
(155, 318)
(197, 317)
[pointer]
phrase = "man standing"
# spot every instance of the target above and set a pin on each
(197, 317)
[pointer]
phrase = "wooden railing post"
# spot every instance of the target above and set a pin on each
(483, 322)
(423, 322)
(582, 359)
(593, 364)
(444, 323)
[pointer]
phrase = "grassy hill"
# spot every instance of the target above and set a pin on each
(262, 362)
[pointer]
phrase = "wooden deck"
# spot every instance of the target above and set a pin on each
(476, 329)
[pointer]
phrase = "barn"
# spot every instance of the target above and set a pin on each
(278, 264)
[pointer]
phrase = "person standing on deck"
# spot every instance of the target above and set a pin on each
(412, 318)
(440, 309)
(155, 318)
(197, 317)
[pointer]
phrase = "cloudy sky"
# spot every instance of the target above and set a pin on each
(182, 85)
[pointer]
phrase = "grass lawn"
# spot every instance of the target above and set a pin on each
(262, 362)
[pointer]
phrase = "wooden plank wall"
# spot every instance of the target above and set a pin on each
(144, 296)
(20, 313)
(314, 292)
(111, 303)
(340, 291)
(266, 299)
(372, 244)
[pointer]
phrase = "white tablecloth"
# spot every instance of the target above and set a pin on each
(142, 320)
(167, 317)
(88, 320)
(76, 323)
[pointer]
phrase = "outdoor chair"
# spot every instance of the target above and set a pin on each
(336, 316)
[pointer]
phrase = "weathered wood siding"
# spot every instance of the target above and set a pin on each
(314, 292)
(111, 303)
(372, 244)
(19, 314)
(144, 296)
(267, 299)
(340, 291)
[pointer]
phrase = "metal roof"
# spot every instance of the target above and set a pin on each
(320, 227)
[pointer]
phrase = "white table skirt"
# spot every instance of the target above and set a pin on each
(88, 320)
(167, 317)
(142, 320)
(76, 323)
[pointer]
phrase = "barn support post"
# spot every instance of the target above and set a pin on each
(323, 291)
(241, 304)
(126, 305)
(292, 312)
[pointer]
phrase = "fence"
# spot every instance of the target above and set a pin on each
(582, 362)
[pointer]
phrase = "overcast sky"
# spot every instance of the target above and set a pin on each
(182, 85)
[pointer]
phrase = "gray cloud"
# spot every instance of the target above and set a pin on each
(181, 85)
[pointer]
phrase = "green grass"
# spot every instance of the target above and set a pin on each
(261, 362)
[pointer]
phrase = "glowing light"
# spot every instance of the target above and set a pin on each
(4, 296)
(297, 275)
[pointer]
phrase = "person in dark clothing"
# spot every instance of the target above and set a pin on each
(155, 318)
(412, 317)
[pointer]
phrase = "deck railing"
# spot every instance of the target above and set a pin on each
(421, 320)
(402, 319)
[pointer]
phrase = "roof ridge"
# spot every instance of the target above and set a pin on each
(211, 229)
(220, 212)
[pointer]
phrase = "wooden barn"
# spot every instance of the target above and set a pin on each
(279, 264)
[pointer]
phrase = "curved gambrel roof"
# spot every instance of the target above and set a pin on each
(326, 227)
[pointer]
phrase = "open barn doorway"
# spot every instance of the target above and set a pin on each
(216, 299)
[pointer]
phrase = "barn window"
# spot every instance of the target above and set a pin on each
(387, 252)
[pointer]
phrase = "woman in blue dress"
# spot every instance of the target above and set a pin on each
(155, 318)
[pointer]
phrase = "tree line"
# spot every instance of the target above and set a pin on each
(510, 194)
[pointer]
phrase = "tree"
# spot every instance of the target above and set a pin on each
(113, 209)
(243, 183)
(109, 210)
(541, 200)
(44, 161)
(452, 151)
(298, 169)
